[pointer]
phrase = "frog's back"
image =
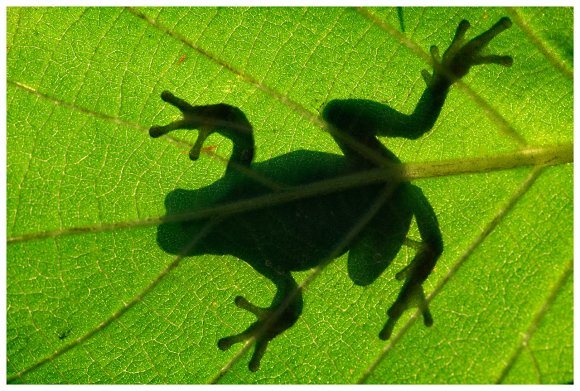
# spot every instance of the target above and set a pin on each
(295, 235)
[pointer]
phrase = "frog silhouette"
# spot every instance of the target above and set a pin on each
(370, 221)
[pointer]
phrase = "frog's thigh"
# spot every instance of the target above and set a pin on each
(378, 244)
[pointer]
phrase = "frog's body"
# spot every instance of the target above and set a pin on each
(292, 236)
(256, 236)
(370, 222)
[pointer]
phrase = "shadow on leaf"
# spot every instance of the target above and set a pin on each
(369, 222)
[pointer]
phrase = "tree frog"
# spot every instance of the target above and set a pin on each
(299, 234)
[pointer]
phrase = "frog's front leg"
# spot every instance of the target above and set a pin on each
(412, 294)
(358, 121)
(284, 311)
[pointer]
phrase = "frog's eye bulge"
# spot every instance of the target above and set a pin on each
(303, 231)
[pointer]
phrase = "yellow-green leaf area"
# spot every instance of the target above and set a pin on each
(92, 298)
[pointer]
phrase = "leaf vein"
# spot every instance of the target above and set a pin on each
(536, 320)
(539, 157)
(503, 125)
(489, 228)
(560, 65)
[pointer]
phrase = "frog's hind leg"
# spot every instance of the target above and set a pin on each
(284, 311)
(380, 242)
(412, 294)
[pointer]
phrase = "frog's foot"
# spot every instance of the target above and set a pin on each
(462, 55)
(271, 322)
(228, 120)
(183, 106)
(412, 295)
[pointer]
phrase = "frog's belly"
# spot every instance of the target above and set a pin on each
(292, 236)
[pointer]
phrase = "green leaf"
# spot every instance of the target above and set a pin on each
(91, 298)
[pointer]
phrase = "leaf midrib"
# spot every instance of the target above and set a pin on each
(544, 156)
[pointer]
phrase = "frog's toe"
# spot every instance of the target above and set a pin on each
(506, 61)
(261, 345)
(243, 303)
(461, 55)
(270, 323)
(458, 40)
(477, 44)
(260, 349)
(227, 342)
(410, 296)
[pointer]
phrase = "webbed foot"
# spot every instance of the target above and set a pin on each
(185, 123)
(271, 322)
(412, 293)
(462, 55)
(228, 120)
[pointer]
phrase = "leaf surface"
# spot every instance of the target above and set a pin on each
(92, 298)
